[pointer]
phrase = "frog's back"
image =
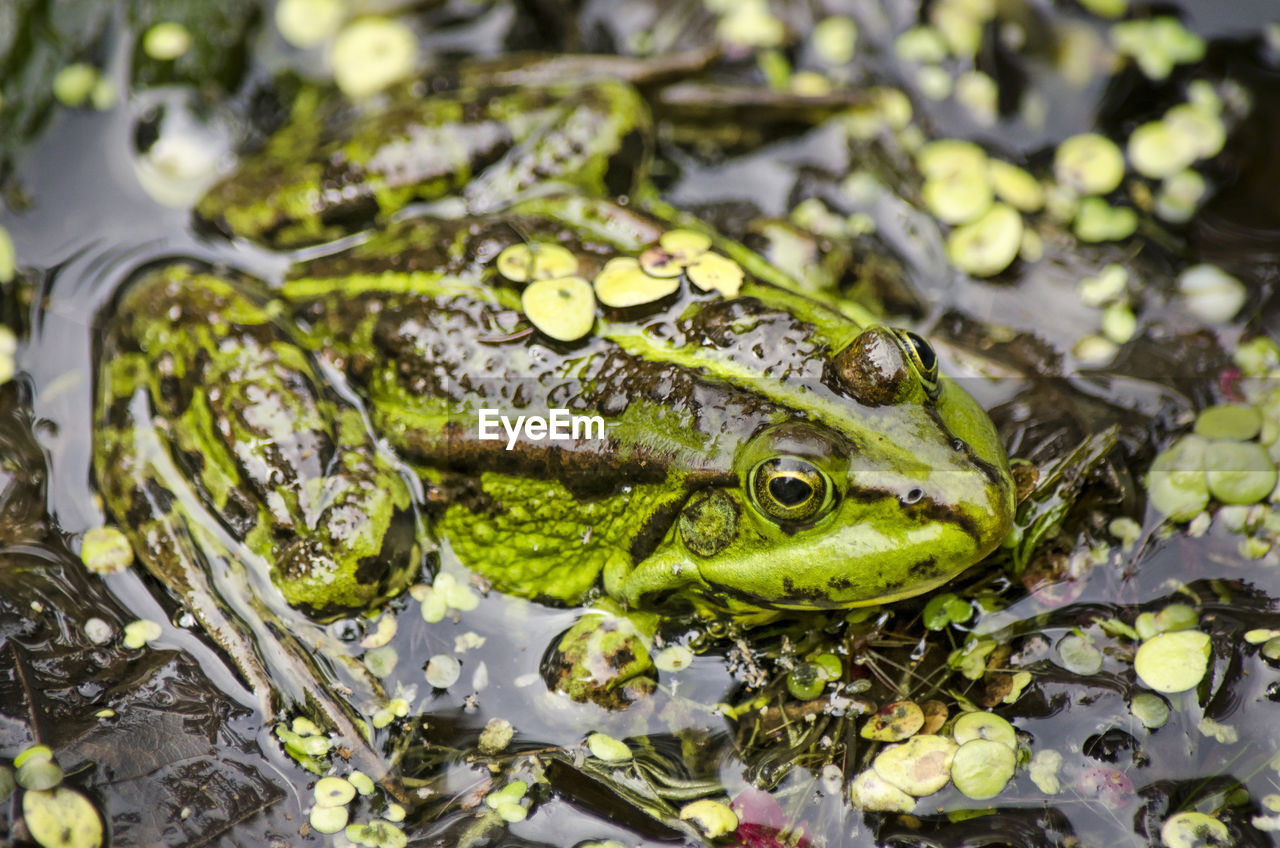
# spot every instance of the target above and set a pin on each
(683, 389)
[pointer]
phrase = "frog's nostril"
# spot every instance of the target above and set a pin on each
(913, 496)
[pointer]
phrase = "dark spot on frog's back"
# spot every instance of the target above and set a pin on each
(924, 567)
(399, 543)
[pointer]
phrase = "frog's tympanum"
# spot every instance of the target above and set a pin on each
(760, 452)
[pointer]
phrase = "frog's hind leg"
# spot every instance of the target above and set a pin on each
(193, 459)
(596, 142)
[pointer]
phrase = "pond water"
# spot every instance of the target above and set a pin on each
(186, 758)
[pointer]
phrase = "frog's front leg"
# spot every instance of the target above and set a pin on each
(604, 656)
(244, 487)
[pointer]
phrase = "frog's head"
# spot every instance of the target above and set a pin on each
(890, 484)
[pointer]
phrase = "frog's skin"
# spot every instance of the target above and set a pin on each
(707, 399)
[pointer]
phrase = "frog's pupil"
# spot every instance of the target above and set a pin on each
(790, 491)
(924, 350)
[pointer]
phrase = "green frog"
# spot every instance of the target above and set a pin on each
(281, 455)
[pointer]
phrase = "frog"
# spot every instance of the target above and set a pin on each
(283, 453)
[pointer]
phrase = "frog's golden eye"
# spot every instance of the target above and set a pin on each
(790, 490)
(922, 356)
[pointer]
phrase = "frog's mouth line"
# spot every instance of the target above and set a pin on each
(716, 594)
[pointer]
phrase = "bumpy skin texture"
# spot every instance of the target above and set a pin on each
(694, 391)
(333, 168)
(221, 452)
(289, 472)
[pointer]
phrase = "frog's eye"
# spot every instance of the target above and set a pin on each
(790, 490)
(922, 356)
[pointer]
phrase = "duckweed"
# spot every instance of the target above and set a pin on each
(939, 159)
(140, 632)
(309, 23)
(1119, 323)
(1157, 44)
(1233, 422)
(523, 263)
(713, 272)
(1108, 285)
(443, 671)
(35, 769)
(830, 665)
(1180, 196)
(1194, 830)
(713, 818)
(1211, 294)
(1173, 662)
(98, 631)
(920, 766)
(506, 802)
(685, 245)
(935, 82)
(608, 749)
(946, 609)
(1158, 150)
(922, 44)
(328, 819)
(894, 722)
(1078, 655)
(1044, 769)
(835, 40)
(657, 262)
(444, 594)
(563, 308)
(73, 84)
(1239, 472)
(749, 23)
(371, 54)
(1089, 163)
(1200, 125)
(362, 782)
(1150, 709)
(1015, 186)
(105, 550)
(981, 768)
(1094, 350)
(673, 658)
(1096, 220)
(869, 791)
(979, 93)
(988, 245)
(1176, 483)
(377, 834)
(958, 196)
(166, 41)
(806, 681)
(61, 818)
(622, 284)
(334, 792)
(983, 725)
(8, 259)
(1106, 8)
